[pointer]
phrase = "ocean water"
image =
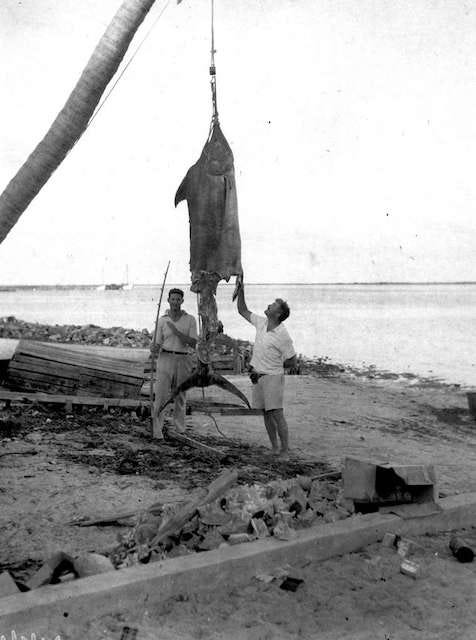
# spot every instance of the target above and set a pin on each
(427, 330)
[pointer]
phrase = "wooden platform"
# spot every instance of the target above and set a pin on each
(70, 401)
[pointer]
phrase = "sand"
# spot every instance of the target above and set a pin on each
(360, 595)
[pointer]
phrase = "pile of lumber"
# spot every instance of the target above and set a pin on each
(76, 370)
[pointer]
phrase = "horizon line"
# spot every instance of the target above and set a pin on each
(232, 284)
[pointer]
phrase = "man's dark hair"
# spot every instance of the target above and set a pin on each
(285, 310)
(178, 291)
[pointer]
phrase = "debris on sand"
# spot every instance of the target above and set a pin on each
(240, 514)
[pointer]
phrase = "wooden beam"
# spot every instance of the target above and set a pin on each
(130, 403)
(215, 490)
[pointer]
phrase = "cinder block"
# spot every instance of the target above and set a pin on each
(368, 481)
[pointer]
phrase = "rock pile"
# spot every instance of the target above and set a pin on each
(243, 514)
(11, 327)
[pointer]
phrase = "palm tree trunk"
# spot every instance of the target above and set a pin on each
(75, 115)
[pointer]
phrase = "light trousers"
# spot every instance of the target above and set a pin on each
(171, 371)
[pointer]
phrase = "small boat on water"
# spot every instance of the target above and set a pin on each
(113, 286)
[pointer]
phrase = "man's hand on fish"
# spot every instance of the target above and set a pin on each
(239, 285)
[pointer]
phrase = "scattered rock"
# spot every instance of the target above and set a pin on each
(212, 540)
(90, 564)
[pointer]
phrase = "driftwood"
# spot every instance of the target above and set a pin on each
(330, 475)
(26, 452)
(216, 489)
(154, 509)
(180, 437)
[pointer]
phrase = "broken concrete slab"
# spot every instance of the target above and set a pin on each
(45, 609)
(8, 586)
(50, 571)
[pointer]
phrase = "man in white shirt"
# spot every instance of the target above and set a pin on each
(272, 352)
(176, 338)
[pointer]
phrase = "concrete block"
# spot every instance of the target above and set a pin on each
(359, 480)
(367, 481)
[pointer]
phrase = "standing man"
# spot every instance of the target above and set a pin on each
(176, 337)
(272, 352)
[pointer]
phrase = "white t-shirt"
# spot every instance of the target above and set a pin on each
(167, 338)
(271, 348)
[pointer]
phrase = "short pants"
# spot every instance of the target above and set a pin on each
(268, 392)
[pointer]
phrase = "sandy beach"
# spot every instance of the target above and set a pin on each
(90, 462)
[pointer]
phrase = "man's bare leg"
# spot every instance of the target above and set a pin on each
(271, 428)
(282, 429)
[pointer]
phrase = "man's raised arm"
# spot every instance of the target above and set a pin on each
(242, 308)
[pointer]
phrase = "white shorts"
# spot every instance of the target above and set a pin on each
(268, 392)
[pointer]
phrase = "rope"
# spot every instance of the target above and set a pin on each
(213, 81)
(209, 415)
(212, 60)
(126, 66)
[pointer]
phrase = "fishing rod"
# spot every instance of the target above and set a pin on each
(153, 359)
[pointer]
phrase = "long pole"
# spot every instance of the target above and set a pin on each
(153, 359)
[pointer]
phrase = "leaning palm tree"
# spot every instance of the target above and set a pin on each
(73, 119)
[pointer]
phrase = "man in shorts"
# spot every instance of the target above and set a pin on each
(273, 351)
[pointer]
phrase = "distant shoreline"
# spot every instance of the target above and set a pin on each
(15, 287)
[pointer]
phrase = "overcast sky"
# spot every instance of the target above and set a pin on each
(352, 125)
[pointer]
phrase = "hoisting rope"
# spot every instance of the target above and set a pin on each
(213, 80)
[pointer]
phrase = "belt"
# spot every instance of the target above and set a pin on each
(176, 353)
(254, 376)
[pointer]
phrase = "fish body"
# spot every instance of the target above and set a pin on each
(215, 247)
(209, 188)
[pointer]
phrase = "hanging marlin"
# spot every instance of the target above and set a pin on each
(215, 246)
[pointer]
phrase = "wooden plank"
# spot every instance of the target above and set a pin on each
(75, 400)
(118, 378)
(33, 376)
(113, 366)
(76, 358)
(130, 354)
(85, 384)
(34, 365)
(61, 370)
(217, 408)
